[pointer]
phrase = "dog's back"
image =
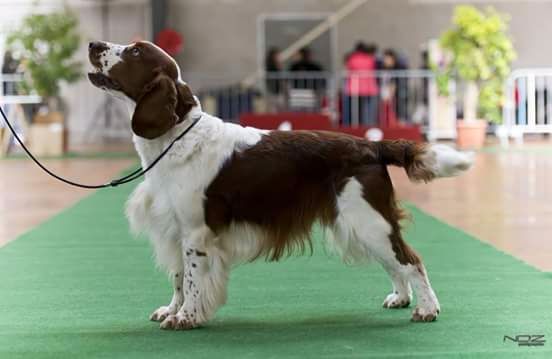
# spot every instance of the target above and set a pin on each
(289, 180)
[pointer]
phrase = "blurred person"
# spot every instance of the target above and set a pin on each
(9, 66)
(421, 109)
(426, 66)
(361, 87)
(274, 82)
(305, 63)
(394, 89)
(402, 89)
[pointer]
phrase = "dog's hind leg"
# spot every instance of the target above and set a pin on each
(369, 220)
(204, 282)
(406, 268)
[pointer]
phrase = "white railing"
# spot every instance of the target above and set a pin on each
(400, 96)
(12, 104)
(528, 105)
(379, 98)
(9, 93)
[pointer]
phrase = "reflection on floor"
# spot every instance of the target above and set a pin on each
(506, 199)
(28, 196)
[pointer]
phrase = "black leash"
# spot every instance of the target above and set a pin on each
(126, 179)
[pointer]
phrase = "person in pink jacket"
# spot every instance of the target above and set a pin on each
(360, 102)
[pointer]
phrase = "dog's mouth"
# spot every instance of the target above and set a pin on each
(102, 81)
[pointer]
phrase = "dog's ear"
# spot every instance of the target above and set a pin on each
(185, 99)
(155, 112)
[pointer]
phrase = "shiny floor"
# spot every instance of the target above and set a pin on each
(505, 200)
(28, 196)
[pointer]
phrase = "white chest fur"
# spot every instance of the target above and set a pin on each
(169, 203)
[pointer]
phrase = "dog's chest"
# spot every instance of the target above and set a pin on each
(178, 182)
(179, 188)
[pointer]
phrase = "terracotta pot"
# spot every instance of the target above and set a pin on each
(471, 134)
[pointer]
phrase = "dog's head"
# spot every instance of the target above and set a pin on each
(146, 75)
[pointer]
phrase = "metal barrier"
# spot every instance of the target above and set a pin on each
(406, 97)
(9, 93)
(379, 98)
(528, 105)
(386, 98)
(12, 104)
(298, 91)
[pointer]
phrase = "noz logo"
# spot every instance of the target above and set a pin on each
(526, 340)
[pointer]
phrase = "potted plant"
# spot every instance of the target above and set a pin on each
(45, 44)
(480, 53)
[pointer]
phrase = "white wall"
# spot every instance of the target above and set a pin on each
(127, 22)
(220, 35)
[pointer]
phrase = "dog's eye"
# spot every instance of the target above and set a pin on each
(135, 51)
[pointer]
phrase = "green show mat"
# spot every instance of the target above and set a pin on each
(79, 286)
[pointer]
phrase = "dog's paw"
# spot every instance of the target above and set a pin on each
(395, 300)
(178, 322)
(161, 313)
(425, 314)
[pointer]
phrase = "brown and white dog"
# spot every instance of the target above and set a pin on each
(226, 194)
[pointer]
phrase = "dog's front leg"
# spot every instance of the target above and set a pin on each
(176, 302)
(204, 281)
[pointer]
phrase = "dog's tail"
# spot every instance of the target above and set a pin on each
(423, 162)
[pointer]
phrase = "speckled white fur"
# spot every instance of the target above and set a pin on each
(110, 57)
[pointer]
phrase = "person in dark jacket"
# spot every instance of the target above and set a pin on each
(396, 87)
(273, 67)
(305, 63)
(275, 84)
(9, 66)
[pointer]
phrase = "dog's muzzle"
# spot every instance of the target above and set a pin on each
(102, 81)
(95, 51)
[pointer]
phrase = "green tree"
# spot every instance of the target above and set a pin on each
(481, 54)
(46, 44)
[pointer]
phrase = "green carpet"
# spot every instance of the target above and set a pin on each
(79, 286)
